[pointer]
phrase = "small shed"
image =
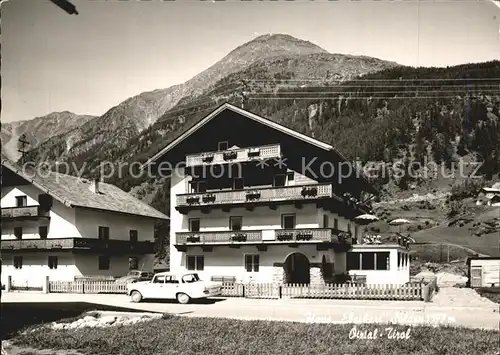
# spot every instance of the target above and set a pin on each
(483, 271)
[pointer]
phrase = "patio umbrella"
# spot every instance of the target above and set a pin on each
(399, 222)
(365, 219)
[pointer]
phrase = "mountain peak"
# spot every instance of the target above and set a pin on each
(271, 45)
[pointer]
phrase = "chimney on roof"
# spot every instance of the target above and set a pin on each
(94, 186)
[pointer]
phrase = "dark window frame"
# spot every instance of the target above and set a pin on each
(277, 176)
(24, 200)
(326, 221)
(283, 219)
(386, 264)
(222, 143)
(103, 262)
(231, 219)
(190, 221)
(53, 262)
(197, 262)
(105, 234)
(368, 261)
(43, 235)
(18, 261)
(235, 180)
(252, 262)
(18, 232)
(134, 235)
(198, 186)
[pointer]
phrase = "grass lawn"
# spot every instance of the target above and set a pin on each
(492, 293)
(203, 336)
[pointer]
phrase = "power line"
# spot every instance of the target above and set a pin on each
(463, 86)
(368, 80)
(201, 102)
(380, 92)
(354, 98)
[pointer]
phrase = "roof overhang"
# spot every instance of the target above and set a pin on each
(16, 169)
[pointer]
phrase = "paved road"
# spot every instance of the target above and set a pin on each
(299, 310)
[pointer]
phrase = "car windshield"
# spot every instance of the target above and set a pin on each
(133, 273)
(190, 278)
(145, 274)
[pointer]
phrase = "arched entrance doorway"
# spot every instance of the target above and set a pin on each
(296, 269)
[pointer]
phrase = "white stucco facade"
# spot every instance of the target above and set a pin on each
(224, 261)
(66, 222)
(396, 271)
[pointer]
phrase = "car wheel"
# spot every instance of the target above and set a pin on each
(183, 298)
(136, 296)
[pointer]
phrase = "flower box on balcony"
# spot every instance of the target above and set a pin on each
(209, 198)
(57, 246)
(304, 236)
(32, 246)
(230, 155)
(284, 236)
(344, 237)
(193, 239)
(207, 158)
(254, 195)
(193, 200)
(253, 152)
(239, 237)
(309, 191)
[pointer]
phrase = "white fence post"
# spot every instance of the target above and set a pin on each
(45, 285)
(8, 285)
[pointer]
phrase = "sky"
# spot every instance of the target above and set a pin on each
(112, 50)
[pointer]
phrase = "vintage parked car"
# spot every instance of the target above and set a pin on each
(134, 276)
(182, 287)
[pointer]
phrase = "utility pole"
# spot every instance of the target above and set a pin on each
(23, 142)
(244, 93)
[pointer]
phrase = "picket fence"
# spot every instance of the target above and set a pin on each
(409, 291)
(87, 287)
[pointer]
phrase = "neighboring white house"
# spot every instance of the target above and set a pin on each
(489, 196)
(253, 200)
(483, 271)
(63, 227)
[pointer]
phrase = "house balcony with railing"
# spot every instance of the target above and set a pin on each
(248, 196)
(77, 244)
(263, 237)
(238, 155)
(24, 213)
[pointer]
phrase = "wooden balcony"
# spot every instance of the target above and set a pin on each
(326, 237)
(24, 213)
(254, 196)
(223, 237)
(77, 245)
(240, 155)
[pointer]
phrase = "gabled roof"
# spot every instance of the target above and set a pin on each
(490, 190)
(252, 116)
(244, 113)
(74, 192)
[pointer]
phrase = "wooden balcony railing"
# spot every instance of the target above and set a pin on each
(239, 155)
(74, 244)
(219, 237)
(327, 235)
(23, 212)
(254, 195)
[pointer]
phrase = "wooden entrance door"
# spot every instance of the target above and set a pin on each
(476, 276)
